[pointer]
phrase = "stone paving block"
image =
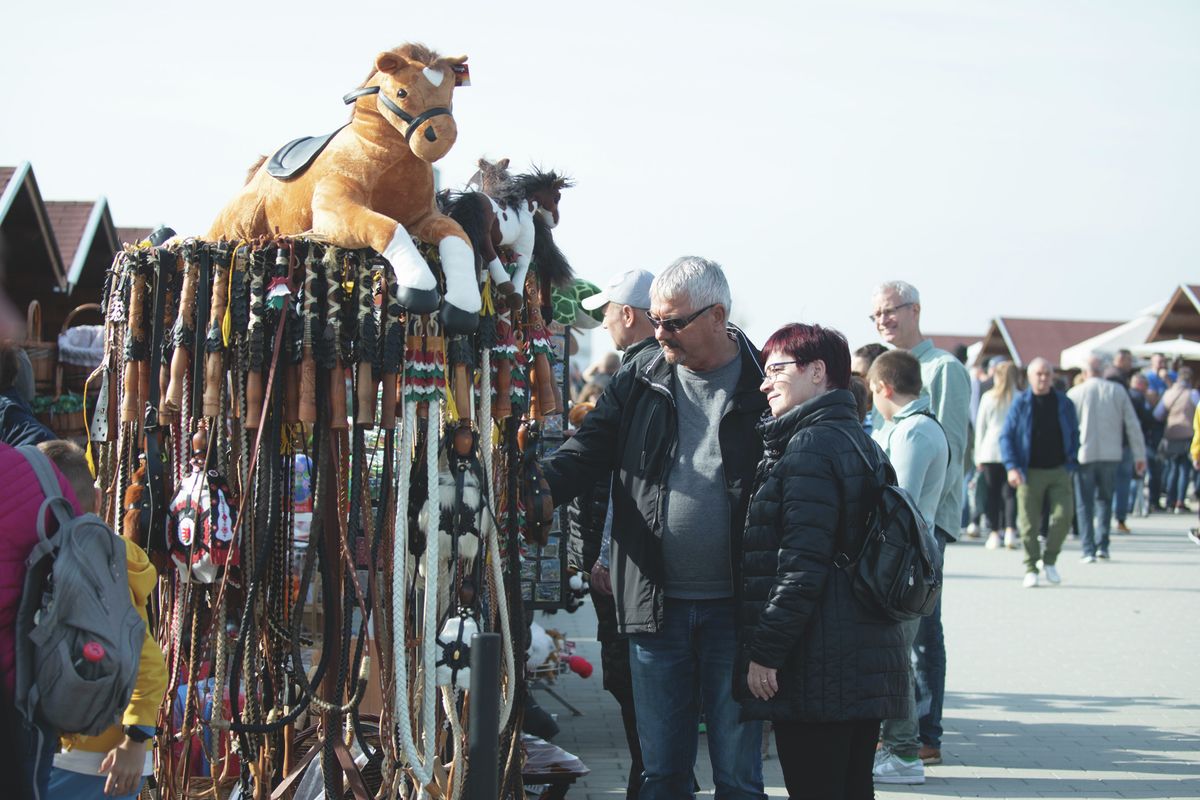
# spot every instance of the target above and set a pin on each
(1083, 690)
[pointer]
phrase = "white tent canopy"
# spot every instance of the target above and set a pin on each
(1127, 336)
(1182, 348)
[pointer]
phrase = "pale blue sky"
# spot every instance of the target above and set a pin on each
(1026, 158)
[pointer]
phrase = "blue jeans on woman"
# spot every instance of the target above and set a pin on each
(686, 666)
(1177, 474)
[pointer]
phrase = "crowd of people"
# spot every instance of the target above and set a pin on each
(716, 489)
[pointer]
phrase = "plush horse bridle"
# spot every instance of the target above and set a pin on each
(412, 122)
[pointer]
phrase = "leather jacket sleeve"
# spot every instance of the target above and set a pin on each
(591, 454)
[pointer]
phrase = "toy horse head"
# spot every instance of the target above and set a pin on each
(411, 88)
(544, 189)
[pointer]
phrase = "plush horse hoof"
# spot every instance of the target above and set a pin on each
(456, 322)
(418, 301)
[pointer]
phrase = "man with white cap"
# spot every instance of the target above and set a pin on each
(625, 301)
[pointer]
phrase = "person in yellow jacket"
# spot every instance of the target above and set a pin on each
(114, 763)
(1194, 533)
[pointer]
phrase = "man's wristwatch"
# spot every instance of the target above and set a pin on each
(139, 734)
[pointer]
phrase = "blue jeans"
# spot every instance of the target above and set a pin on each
(1177, 474)
(40, 747)
(1123, 493)
(689, 662)
(1094, 487)
(77, 786)
(930, 647)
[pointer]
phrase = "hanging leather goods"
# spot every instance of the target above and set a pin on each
(131, 515)
(535, 490)
(214, 345)
(391, 351)
(184, 335)
(541, 379)
(260, 289)
(460, 353)
(310, 320)
(366, 380)
(334, 295)
(135, 341)
(162, 264)
(167, 270)
(503, 355)
(294, 344)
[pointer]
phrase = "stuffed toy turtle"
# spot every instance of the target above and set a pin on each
(566, 303)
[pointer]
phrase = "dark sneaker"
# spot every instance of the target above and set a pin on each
(930, 755)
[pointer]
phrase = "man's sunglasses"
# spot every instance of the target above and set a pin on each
(676, 324)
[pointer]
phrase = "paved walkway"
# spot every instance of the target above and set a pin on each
(1089, 689)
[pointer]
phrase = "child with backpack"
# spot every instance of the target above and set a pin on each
(917, 447)
(114, 763)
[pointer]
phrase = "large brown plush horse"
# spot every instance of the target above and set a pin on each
(371, 183)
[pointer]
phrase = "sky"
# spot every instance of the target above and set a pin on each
(1030, 158)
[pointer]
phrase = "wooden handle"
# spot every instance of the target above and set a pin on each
(547, 391)
(308, 388)
(389, 398)
(129, 398)
(181, 361)
(80, 309)
(291, 394)
(214, 374)
(144, 372)
(337, 398)
(460, 385)
(166, 414)
(254, 399)
(365, 415)
(502, 404)
(33, 321)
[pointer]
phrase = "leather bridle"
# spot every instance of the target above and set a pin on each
(412, 122)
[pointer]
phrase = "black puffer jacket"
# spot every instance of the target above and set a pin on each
(836, 660)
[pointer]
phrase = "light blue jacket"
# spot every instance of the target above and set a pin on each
(919, 453)
(948, 387)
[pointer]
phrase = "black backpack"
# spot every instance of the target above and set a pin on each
(898, 572)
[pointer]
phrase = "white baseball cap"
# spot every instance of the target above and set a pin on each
(630, 288)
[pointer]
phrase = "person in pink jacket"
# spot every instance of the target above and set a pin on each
(18, 533)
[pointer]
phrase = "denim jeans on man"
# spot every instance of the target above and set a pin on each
(930, 650)
(1094, 487)
(1123, 496)
(1177, 477)
(686, 666)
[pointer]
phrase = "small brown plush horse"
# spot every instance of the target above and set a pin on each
(370, 184)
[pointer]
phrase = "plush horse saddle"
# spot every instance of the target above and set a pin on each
(291, 160)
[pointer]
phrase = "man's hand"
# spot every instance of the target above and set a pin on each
(124, 767)
(762, 681)
(1015, 478)
(601, 580)
(1139, 467)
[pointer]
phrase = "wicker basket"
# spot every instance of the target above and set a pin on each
(42, 355)
(72, 377)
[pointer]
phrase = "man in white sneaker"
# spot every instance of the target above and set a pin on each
(919, 452)
(1106, 420)
(1039, 443)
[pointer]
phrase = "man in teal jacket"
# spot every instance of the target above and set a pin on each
(896, 312)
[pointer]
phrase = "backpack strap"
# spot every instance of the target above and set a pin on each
(943, 429)
(48, 478)
(842, 559)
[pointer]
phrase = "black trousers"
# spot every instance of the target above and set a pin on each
(827, 760)
(1001, 498)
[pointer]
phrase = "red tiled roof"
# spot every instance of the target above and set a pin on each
(6, 174)
(1047, 338)
(132, 235)
(949, 341)
(68, 221)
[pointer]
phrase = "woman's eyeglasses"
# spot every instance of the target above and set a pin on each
(676, 324)
(775, 369)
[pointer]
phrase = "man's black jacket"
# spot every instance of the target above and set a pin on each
(632, 434)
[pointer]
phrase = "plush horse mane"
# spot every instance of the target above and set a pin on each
(531, 182)
(552, 265)
(467, 209)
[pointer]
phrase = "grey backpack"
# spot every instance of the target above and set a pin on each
(79, 637)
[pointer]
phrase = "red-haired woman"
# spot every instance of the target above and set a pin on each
(814, 661)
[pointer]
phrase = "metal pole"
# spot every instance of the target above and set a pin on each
(483, 741)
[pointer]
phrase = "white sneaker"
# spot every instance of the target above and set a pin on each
(1088, 560)
(891, 768)
(1031, 580)
(973, 530)
(1052, 573)
(1010, 539)
(993, 542)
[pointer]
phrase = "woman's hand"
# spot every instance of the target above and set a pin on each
(124, 767)
(762, 681)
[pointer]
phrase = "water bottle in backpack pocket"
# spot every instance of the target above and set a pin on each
(78, 636)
